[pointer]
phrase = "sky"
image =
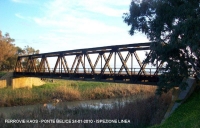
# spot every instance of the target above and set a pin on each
(58, 25)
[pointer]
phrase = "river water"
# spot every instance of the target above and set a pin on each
(92, 104)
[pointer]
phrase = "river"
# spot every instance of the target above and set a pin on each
(93, 104)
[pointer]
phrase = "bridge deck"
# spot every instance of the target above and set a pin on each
(118, 78)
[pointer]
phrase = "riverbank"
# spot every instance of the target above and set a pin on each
(143, 112)
(146, 110)
(187, 115)
(63, 90)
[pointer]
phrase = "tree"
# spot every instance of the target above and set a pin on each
(7, 49)
(28, 51)
(174, 27)
(9, 52)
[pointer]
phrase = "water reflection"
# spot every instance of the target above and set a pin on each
(92, 104)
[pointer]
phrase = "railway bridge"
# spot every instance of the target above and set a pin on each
(117, 63)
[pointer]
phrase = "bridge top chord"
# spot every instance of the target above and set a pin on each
(125, 47)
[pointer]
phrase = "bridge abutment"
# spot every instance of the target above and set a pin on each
(180, 96)
(21, 82)
(2, 83)
(28, 82)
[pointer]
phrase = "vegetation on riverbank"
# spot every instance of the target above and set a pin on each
(187, 115)
(69, 91)
(147, 109)
(142, 113)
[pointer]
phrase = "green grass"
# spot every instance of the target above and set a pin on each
(186, 116)
(82, 86)
(69, 91)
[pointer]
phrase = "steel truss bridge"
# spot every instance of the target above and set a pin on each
(107, 64)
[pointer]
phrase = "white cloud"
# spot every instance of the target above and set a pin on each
(77, 25)
(72, 24)
(18, 15)
(105, 7)
(72, 16)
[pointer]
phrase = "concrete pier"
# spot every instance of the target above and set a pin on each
(8, 80)
(26, 82)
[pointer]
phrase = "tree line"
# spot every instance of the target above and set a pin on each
(174, 26)
(9, 52)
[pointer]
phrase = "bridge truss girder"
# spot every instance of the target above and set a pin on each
(38, 64)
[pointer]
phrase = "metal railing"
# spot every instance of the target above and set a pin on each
(131, 71)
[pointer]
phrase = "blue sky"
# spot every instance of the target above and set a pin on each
(57, 25)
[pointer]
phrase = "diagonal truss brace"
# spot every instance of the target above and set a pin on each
(124, 63)
(78, 63)
(19, 67)
(75, 59)
(61, 61)
(91, 65)
(64, 64)
(43, 64)
(31, 65)
(97, 60)
(142, 66)
(157, 69)
(107, 60)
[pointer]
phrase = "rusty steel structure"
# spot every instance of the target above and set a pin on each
(97, 64)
